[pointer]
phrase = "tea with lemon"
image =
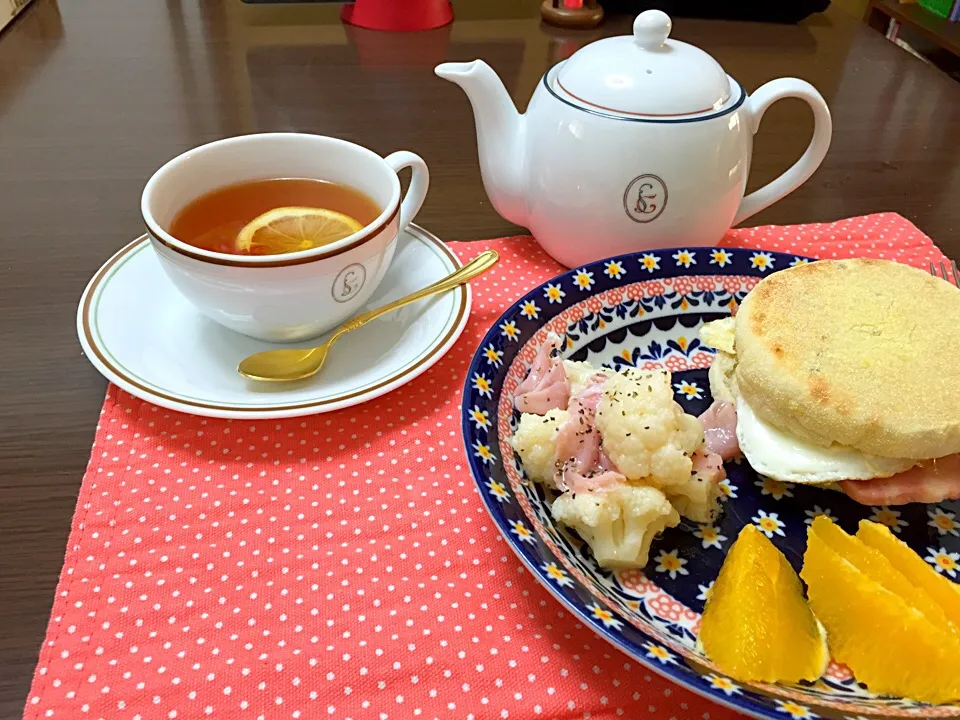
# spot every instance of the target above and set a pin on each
(269, 217)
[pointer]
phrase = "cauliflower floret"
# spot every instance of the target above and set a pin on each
(535, 442)
(697, 499)
(579, 374)
(645, 432)
(618, 524)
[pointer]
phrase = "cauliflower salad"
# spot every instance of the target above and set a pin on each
(626, 460)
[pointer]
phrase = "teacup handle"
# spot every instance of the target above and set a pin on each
(803, 168)
(419, 182)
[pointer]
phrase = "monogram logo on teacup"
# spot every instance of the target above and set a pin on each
(348, 282)
(645, 198)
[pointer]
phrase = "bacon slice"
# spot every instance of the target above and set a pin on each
(930, 482)
(720, 429)
(546, 386)
(582, 463)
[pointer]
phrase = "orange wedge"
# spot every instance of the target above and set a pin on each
(756, 625)
(878, 568)
(893, 636)
(944, 592)
(292, 229)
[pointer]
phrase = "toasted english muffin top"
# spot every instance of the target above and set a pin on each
(865, 353)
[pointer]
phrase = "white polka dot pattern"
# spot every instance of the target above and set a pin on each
(340, 565)
(887, 236)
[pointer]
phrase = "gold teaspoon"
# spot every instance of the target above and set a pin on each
(285, 365)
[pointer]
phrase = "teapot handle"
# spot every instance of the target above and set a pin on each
(803, 168)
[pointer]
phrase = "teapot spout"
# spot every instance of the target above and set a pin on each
(500, 136)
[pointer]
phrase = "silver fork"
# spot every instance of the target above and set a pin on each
(944, 274)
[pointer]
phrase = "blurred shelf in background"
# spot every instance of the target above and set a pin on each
(9, 9)
(932, 38)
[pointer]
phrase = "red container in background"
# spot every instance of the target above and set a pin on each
(398, 15)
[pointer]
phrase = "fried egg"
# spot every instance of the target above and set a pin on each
(778, 455)
(775, 453)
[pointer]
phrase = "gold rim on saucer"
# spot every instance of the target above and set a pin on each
(127, 380)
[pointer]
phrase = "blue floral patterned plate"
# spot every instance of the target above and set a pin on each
(644, 310)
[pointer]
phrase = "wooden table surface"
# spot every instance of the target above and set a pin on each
(95, 95)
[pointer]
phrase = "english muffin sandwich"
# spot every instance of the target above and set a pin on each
(846, 372)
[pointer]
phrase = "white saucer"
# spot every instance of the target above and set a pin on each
(138, 331)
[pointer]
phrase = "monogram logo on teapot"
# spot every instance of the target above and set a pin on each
(349, 282)
(645, 198)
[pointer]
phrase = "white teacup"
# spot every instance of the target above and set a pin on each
(294, 296)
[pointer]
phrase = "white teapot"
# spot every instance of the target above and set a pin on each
(633, 143)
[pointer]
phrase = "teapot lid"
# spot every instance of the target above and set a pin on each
(645, 73)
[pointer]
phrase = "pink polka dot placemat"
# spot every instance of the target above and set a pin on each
(340, 565)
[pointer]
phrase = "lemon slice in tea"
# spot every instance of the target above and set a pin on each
(292, 229)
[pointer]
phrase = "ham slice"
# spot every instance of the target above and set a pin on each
(699, 499)
(572, 480)
(708, 466)
(930, 482)
(582, 464)
(546, 387)
(720, 430)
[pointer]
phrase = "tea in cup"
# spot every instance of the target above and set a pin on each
(280, 236)
(272, 217)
